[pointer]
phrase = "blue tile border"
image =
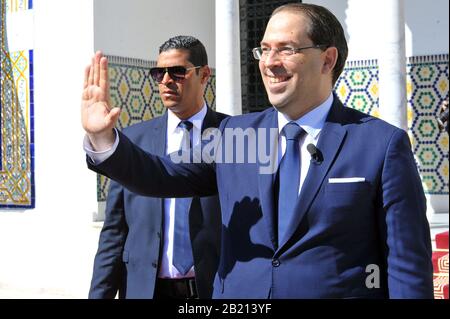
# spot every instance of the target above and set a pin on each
(31, 145)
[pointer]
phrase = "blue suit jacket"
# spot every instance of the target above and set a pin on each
(130, 242)
(341, 232)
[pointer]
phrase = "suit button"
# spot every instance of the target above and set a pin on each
(158, 234)
(275, 262)
(154, 264)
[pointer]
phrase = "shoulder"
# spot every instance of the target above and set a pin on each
(215, 117)
(138, 129)
(373, 123)
(221, 116)
(255, 120)
(354, 120)
(375, 133)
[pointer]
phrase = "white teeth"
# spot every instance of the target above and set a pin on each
(277, 80)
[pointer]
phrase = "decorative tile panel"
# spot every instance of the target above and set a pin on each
(426, 87)
(16, 120)
(18, 5)
(357, 87)
(136, 93)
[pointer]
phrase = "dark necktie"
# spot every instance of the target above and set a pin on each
(182, 249)
(289, 178)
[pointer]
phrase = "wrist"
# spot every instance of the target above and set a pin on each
(101, 141)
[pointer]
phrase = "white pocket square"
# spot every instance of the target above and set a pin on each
(346, 180)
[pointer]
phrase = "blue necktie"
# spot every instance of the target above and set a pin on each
(182, 249)
(289, 178)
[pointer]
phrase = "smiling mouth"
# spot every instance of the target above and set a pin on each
(278, 79)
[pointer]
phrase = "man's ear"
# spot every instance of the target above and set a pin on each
(330, 58)
(205, 73)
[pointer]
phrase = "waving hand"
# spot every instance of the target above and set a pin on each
(97, 116)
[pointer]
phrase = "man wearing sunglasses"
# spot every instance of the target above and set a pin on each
(344, 213)
(145, 247)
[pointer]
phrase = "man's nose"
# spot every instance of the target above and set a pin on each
(272, 59)
(166, 78)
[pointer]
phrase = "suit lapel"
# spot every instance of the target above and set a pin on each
(155, 139)
(330, 140)
(158, 140)
(210, 119)
(266, 181)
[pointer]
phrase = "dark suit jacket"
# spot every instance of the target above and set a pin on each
(342, 232)
(130, 242)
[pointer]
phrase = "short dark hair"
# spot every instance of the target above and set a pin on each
(323, 29)
(196, 49)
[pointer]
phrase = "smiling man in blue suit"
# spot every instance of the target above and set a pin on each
(342, 215)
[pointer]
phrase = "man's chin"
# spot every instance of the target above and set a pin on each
(278, 100)
(171, 106)
(277, 104)
(177, 110)
(282, 108)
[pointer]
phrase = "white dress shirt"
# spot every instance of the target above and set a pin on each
(312, 122)
(174, 139)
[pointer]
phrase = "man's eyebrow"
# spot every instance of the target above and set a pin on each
(279, 44)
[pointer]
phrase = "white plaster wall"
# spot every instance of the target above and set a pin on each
(48, 251)
(138, 28)
(426, 27)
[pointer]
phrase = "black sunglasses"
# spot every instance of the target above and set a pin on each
(176, 73)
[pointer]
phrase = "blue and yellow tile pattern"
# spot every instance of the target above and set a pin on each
(17, 189)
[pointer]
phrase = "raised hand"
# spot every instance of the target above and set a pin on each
(97, 116)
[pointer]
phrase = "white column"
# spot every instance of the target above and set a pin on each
(228, 61)
(392, 62)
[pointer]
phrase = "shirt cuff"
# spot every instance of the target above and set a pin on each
(99, 157)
